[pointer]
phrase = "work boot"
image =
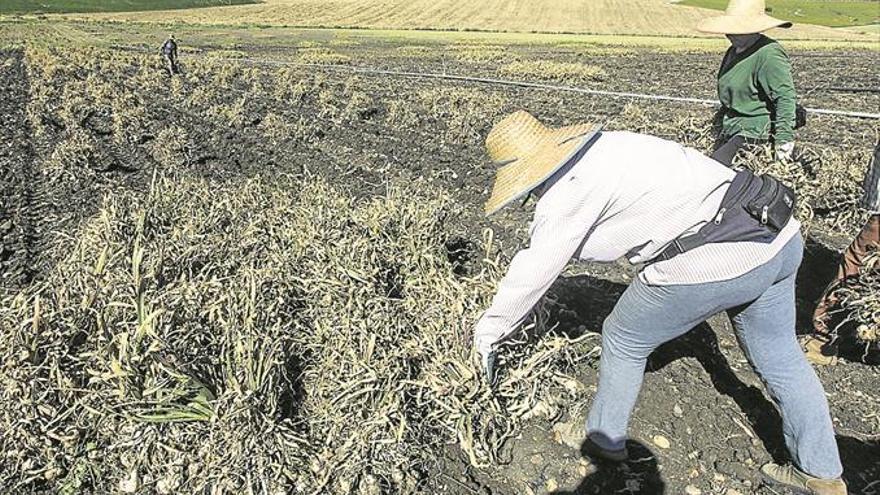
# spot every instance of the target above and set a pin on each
(819, 352)
(801, 482)
(591, 449)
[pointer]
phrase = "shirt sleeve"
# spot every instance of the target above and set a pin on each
(774, 77)
(555, 239)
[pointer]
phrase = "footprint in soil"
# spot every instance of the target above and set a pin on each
(637, 475)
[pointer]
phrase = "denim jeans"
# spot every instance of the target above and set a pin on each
(761, 304)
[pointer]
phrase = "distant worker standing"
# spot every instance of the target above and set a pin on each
(754, 83)
(169, 53)
(820, 346)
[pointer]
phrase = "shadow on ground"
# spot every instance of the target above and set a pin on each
(637, 475)
(586, 301)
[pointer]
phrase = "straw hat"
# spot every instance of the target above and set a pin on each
(742, 17)
(529, 153)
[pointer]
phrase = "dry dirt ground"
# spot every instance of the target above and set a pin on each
(703, 423)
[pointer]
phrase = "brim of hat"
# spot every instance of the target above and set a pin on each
(730, 24)
(555, 149)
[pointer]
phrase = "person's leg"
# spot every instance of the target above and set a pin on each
(644, 318)
(854, 256)
(850, 263)
(821, 316)
(766, 329)
(647, 316)
(630, 333)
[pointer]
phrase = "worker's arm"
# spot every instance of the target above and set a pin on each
(555, 239)
(774, 77)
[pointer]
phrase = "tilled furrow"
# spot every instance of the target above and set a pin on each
(17, 232)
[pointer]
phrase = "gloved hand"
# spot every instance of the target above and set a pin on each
(486, 355)
(489, 368)
(785, 152)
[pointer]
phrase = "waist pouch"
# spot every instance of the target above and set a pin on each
(754, 209)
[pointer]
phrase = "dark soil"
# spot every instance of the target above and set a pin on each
(699, 392)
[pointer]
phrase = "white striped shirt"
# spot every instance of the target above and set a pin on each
(629, 196)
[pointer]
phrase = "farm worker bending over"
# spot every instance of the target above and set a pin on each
(820, 347)
(169, 53)
(758, 100)
(711, 240)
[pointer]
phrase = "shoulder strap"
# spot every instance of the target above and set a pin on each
(681, 245)
(740, 185)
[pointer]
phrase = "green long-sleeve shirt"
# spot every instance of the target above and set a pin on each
(757, 93)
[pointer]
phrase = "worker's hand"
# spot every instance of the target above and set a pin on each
(785, 152)
(486, 357)
(489, 368)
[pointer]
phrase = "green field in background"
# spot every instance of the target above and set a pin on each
(68, 6)
(834, 13)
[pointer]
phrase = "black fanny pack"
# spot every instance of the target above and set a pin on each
(754, 209)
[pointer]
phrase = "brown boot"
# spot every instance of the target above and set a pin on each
(818, 352)
(801, 482)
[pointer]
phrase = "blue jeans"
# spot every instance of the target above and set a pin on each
(761, 305)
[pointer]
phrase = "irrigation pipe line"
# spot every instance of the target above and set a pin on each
(846, 89)
(524, 84)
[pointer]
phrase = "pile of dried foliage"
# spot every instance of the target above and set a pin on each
(248, 336)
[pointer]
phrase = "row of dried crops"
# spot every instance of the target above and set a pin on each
(229, 336)
(245, 336)
(83, 97)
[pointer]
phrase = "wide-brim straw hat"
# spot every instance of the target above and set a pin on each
(529, 153)
(742, 17)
